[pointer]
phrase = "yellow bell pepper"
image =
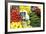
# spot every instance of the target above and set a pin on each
(27, 8)
(15, 25)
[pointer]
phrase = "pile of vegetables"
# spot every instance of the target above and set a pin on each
(35, 20)
(35, 16)
(18, 13)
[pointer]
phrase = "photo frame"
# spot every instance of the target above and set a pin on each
(30, 16)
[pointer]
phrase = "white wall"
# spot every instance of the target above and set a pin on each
(2, 17)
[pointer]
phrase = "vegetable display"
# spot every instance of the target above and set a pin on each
(24, 17)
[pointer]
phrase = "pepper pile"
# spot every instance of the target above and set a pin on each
(15, 15)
